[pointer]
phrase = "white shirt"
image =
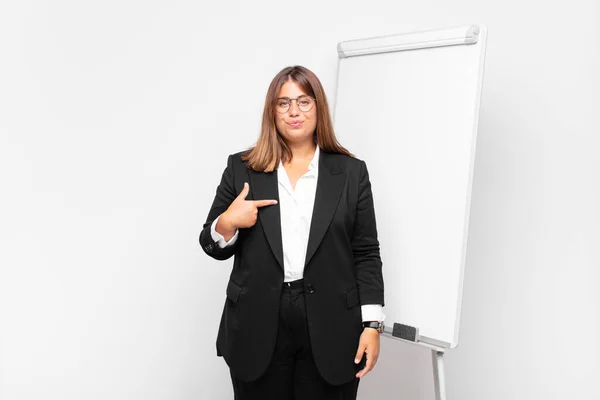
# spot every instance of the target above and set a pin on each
(296, 208)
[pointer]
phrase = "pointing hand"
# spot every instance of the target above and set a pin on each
(242, 213)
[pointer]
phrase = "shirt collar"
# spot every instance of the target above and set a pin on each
(314, 163)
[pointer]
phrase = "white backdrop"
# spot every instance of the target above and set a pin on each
(116, 119)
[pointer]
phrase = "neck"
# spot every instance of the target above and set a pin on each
(303, 151)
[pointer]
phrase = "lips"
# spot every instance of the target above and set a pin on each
(295, 124)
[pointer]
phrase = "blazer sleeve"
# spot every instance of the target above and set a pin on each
(223, 198)
(365, 246)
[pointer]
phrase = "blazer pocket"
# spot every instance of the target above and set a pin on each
(233, 291)
(352, 297)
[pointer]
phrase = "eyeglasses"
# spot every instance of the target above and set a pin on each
(305, 104)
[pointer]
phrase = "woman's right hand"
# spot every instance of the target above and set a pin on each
(242, 213)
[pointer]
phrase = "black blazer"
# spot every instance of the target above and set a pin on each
(342, 268)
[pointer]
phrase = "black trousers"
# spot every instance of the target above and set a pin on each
(292, 374)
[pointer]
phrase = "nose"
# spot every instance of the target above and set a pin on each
(294, 110)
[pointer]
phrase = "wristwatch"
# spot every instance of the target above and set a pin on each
(374, 324)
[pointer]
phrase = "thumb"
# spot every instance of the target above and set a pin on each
(359, 353)
(244, 191)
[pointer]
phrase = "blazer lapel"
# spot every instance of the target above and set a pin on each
(329, 188)
(263, 186)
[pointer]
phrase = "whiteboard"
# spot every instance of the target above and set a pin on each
(408, 105)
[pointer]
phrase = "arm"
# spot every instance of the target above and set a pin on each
(224, 197)
(369, 277)
(365, 246)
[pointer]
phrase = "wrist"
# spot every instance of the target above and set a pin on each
(224, 226)
(375, 325)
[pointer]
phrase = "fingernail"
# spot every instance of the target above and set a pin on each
(356, 360)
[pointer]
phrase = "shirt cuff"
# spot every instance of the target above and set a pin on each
(218, 238)
(372, 312)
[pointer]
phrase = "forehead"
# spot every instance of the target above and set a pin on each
(291, 89)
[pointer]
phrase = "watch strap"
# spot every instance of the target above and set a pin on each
(373, 324)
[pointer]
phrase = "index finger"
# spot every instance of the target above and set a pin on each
(368, 367)
(263, 203)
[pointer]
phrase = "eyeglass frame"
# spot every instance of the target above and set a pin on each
(290, 100)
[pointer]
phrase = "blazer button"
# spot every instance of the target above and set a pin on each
(310, 289)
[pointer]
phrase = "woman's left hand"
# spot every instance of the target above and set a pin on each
(369, 344)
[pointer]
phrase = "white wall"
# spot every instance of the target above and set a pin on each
(116, 118)
(531, 311)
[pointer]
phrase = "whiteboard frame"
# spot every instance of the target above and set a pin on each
(409, 41)
(464, 35)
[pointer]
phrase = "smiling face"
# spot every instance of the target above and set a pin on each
(295, 125)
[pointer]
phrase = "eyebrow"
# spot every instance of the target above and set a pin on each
(302, 95)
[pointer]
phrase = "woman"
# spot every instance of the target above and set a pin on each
(296, 210)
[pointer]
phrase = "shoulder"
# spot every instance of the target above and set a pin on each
(336, 162)
(235, 161)
(350, 165)
(237, 157)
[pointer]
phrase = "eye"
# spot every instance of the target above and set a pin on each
(283, 103)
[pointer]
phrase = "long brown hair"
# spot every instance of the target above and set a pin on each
(270, 147)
